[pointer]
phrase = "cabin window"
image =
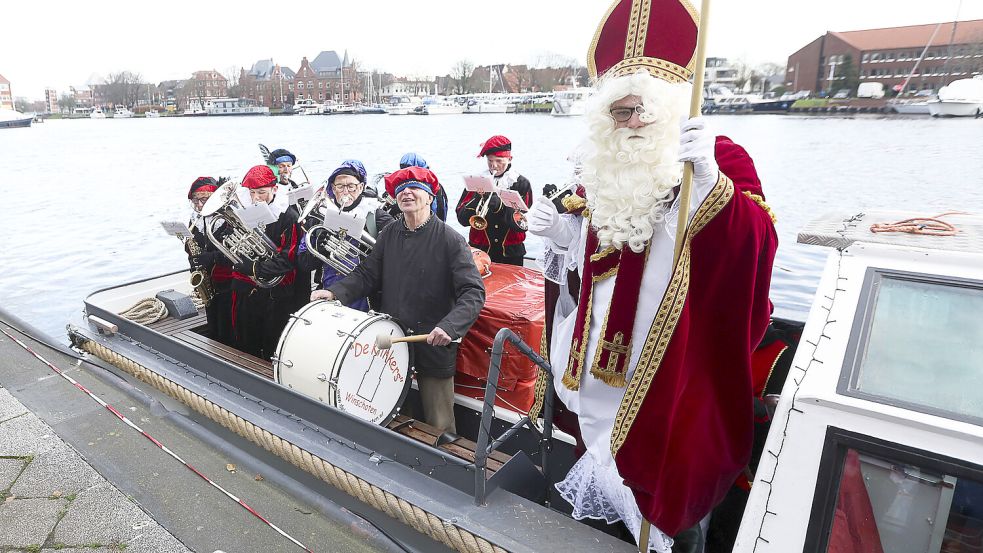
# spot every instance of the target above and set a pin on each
(874, 496)
(917, 344)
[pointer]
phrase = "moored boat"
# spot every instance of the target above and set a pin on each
(122, 112)
(570, 102)
(12, 119)
(235, 106)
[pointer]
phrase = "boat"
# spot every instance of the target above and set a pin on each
(12, 119)
(438, 106)
(122, 112)
(736, 103)
(196, 108)
(402, 105)
(97, 113)
(152, 114)
(960, 98)
(779, 105)
(884, 401)
(909, 106)
(489, 105)
(234, 106)
(373, 109)
(570, 102)
(308, 107)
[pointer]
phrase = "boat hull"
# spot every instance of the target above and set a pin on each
(16, 123)
(950, 108)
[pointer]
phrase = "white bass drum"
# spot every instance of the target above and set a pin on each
(327, 352)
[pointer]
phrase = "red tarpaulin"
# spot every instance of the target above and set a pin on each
(513, 300)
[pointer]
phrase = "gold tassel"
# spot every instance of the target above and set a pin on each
(573, 202)
(761, 203)
(570, 381)
(608, 377)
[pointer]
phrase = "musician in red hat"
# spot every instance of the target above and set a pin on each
(205, 257)
(495, 227)
(260, 314)
(656, 359)
(428, 281)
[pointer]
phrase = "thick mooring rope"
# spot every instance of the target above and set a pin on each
(394, 506)
(146, 311)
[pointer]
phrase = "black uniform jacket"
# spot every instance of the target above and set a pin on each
(427, 278)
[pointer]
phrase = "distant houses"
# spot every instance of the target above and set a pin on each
(6, 97)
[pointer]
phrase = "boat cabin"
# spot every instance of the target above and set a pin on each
(877, 442)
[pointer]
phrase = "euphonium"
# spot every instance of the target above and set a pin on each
(201, 282)
(332, 246)
(238, 242)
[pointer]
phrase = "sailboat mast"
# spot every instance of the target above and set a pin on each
(952, 37)
(928, 44)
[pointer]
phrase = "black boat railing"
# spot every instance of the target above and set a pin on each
(484, 448)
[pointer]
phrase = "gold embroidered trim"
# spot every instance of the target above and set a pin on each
(539, 393)
(574, 202)
(603, 253)
(691, 9)
(771, 370)
(666, 318)
(656, 67)
(631, 40)
(617, 349)
(761, 203)
(605, 275)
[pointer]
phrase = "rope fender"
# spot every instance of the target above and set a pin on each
(396, 507)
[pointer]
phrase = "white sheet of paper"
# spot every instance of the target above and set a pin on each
(478, 183)
(176, 228)
(512, 199)
(302, 193)
(256, 215)
(352, 225)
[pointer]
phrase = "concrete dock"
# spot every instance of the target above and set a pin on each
(74, 478)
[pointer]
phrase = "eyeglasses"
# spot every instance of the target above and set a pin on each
(622, 115)
(199, 201)
(346, 187)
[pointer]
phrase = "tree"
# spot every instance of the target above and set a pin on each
(848, 76)
(232, 75)
(461, 74)
(122, 88)
(21, 104)
(66, 103)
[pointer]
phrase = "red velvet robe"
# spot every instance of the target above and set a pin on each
(684, 429)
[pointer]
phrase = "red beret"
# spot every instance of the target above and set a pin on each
(203, 184)
(497, 145)
(413, 173)
(259, 176)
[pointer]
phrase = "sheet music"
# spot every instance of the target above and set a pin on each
(478, 183)
(176, 228)
(305, 192)
(352, 225)
(512, 199)
(256, 215)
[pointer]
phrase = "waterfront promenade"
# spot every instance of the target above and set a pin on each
(75, 478)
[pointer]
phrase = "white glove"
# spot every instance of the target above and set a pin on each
(696, 144)
(544, 220)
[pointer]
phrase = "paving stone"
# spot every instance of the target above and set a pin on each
(27, 435)
(28, 521)
(84, 550)
(9, 470)
(59, 472)
(101, 514)
(9, 406)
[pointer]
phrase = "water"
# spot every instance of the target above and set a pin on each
(85, 197)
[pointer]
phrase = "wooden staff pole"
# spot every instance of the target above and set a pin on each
(695, 103)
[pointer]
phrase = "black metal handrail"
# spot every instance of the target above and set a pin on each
(484, 449)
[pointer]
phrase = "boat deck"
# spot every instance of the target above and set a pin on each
(183, 330)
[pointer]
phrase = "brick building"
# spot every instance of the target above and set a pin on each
(209, 84)
(328, 77)
(51, 100)
(268, 84)
(6, 96)
(840, 60)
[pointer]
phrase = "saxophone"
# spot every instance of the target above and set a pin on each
(201, 281)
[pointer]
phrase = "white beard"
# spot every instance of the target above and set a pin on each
(629, 179)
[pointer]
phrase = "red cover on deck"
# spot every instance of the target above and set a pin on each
(513, 299)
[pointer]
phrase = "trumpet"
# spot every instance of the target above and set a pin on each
(332, 246)
(239, 242)
(478, 220)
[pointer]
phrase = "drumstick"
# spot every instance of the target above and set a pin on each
(386, 341)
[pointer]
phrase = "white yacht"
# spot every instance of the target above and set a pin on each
(122, 112)
(308, 107)
(961, 98)
(152, 114)
(97, 113)
(570, 102)
(913, 106)
(234, 106)
(438, 105)
(402, 105)
(195, 108)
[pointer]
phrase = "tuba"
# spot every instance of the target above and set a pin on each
(332, 246)
(239, 242)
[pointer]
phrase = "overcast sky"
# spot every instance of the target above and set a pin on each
(60, 43)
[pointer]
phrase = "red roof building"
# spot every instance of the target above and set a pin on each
(888, 56)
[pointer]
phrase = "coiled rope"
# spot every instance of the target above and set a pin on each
(146, 311)
(929, 226)
(394, 506)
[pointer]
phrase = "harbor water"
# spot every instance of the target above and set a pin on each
(85, 198)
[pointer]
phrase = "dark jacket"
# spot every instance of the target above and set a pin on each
(504, 237)
(427, 279)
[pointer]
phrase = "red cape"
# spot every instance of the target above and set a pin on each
(685, 428)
